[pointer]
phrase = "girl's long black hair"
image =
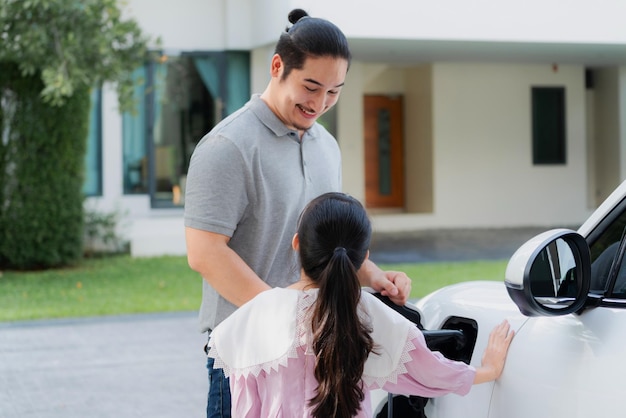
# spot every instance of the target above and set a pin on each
(334, 234)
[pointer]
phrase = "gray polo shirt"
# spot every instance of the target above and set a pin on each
(249, 179)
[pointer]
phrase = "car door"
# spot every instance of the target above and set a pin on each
(567, 304)
(574, 365)
(568, 366)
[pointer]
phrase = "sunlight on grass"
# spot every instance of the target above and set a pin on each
(124, 285)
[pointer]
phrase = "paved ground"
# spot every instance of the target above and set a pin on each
(113, 367)
(153, 365)
(450, 245)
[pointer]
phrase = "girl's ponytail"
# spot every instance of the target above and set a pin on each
(334, 235)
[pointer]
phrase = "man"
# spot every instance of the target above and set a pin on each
(251, 176)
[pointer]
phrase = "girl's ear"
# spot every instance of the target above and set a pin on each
(295, 242)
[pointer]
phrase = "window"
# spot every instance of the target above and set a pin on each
(93, 157)
(181, 100)
(134, 156)
(384, 152)
(607, 255)
(548, 125)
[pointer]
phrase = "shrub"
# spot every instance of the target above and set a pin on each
(42, 152)
(101, 233)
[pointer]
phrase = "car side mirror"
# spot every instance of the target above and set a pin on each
(550, 274)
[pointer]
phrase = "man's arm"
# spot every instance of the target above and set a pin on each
(208, 253)
(394, 284)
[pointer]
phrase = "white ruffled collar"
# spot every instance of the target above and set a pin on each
(263, 334)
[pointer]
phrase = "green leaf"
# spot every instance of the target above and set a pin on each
(73, 43)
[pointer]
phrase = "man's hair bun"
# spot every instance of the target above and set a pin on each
(297, 14)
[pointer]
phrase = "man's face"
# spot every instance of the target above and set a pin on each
(306, 94)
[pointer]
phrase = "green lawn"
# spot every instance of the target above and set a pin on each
(428, 277)
(122, 285)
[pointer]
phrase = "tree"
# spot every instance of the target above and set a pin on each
(72, 43)
(52, 52)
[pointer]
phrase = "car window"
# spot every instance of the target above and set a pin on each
(619, 290)
(607, 255)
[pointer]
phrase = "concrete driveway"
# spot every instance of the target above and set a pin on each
(110, 367)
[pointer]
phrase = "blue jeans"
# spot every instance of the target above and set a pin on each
(218, 402)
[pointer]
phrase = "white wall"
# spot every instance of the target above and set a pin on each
(350, 131)
(247, 24)
(601, 21)
(483, 171)
(182, 24)
(606, 146)
(260, 60)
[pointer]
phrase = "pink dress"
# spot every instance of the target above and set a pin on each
(264, 347)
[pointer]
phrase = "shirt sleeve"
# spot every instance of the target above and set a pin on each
(246, 401)
(216, 195)
(430, 374)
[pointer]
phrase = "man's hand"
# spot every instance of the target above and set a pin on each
(396, 285)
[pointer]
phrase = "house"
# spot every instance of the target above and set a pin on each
(455, 114)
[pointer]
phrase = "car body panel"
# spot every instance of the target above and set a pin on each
(564, 362)
(488, 304)
(558, 366)
(601, 212)
(575, 365)
(567, 366)
(460, 300)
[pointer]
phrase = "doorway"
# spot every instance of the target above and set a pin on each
(384, 152)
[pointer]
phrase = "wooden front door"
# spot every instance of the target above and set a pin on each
(384, 145)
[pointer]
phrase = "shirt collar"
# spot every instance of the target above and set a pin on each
(269, 119)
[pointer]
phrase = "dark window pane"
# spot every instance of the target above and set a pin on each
(134, 153)
(93, 157)
(384, 152)
(548, 125)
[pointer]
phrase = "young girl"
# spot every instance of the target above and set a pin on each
(317, 348)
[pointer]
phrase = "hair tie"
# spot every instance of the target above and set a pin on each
(340, 249)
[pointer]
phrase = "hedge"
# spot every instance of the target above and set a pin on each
(42, 151)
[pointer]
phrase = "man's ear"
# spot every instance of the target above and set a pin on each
(295, 242)
(276, 66)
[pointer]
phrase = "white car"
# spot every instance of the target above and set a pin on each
(564, 294)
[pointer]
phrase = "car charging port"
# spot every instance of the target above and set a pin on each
(456, 339)
(444, 339)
